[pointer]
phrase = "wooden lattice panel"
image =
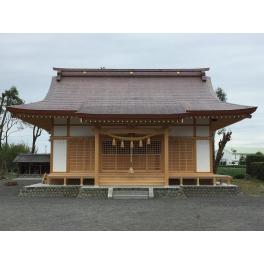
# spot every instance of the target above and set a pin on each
(81, 154)
(181, 154)
(145, 158)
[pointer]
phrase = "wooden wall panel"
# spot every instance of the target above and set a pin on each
(81, 154)
(181, 154)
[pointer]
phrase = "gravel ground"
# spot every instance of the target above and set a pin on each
(231, 213)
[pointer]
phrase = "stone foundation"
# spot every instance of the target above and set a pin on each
(43, 190)
(208, 190)
(86, 192)
(168, 192)
(93, 192)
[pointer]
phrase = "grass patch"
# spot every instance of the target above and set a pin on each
(251, 187)
(234, 172)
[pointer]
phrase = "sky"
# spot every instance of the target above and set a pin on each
(236, 63)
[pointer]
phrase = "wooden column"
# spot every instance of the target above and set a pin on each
(96, 156)
(214, 181)
(68, 146)
(198, 181)
(51, 146)
(181, 181)
(229, 180)
(166, 157)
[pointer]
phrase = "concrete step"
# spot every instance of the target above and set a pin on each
(130, 193)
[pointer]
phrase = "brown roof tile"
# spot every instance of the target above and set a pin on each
(108, 93)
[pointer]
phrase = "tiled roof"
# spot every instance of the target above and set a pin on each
(131, 92)
(32, 158)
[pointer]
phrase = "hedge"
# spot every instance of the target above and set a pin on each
(257, 170)
(232, 166)
(236, 173)
(250, 159)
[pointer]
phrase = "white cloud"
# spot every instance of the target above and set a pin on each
(236, 62)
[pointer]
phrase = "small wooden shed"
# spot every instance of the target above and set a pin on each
(32, 164)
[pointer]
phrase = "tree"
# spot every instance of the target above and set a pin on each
(8, 154)
(221, 94)
(7, 122)
(11, 125)
(36, 133)
(242, 160)
(226, 136)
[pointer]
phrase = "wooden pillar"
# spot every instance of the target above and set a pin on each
(198, 181)
(214, 181)
(166, 157)
(68, 146)
(96, 156)
(64, 181)
(229, 181)
(181, 181)
(81, 181)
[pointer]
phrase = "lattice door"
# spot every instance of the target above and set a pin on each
(145, 158)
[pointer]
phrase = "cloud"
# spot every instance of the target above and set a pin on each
(236, 62)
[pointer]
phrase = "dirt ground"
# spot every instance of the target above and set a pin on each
(241, 212)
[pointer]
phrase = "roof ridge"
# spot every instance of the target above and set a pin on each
(103, 69)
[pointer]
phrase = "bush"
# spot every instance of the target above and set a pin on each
(250, 159)
(239, 176)
(242, 161)
(232, 166)
(257, 170)
(236, 173)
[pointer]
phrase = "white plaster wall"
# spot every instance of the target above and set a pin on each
(202, 131)
(60, 131)
(81, 131)
(203, 155)
(60, 121)
(181, 131)
(59, 155)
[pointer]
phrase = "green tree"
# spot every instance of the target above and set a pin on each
(242, 160)
(221, 94)
(8, 154)
(7, 122)
(225, 135)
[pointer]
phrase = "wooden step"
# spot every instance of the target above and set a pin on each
(130, 181)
